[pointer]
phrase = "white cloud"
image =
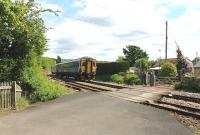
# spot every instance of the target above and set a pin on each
(101, 28)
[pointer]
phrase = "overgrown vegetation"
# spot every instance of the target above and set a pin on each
(23, 42)
(21, 103)
(132, 79)
(126, 78)
(47, 63)
(117, 78)
(190, 84)
(42, 89)
(168, 70)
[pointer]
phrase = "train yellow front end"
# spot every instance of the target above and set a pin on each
(88, 68)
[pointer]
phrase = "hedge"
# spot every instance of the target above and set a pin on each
(190, 84)
(111, 67)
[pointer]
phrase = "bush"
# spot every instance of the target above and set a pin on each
(131, 79)
(190, 84)
(21, 103)
(42, 89)
(168, 70)
(117, 78)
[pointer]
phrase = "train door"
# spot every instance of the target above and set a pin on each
(83, 66)
(94, 67)
(89, 67)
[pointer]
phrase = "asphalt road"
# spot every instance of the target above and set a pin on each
(91, 114)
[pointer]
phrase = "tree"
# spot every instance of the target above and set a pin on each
(153, 63)
(121, 59)
(168, 70)
(181, 63)
(142, 64)
(22, 37)
(133, 53)
(58, 60)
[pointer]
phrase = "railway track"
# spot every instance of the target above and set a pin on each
(85, 86)
(183, 105)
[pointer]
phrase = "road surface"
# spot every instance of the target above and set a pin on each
(88, 113)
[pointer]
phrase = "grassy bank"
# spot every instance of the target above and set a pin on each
(40, 87)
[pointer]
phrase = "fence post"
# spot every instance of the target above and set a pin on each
(14, 95)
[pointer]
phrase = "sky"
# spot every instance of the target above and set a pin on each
(102, 28)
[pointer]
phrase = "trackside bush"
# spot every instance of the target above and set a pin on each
(117, 78)
(168, 70)
(131, 79)
(41, 88)
(190, 84)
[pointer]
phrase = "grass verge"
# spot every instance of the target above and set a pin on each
(21, 103)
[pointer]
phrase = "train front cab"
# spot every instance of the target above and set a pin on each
(88, 68)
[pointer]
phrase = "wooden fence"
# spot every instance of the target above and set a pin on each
(9, 92)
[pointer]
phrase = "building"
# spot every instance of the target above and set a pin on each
(197, 69)
(190, 65)
(196, 60)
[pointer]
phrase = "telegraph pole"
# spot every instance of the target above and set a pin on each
(166, 38)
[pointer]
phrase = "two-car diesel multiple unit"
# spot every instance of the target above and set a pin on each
(83, 68)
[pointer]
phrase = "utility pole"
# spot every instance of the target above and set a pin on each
(160, 58)
(196, 57)
(166, 38)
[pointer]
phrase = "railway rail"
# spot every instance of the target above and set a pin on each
(183, 105)
(93, 85)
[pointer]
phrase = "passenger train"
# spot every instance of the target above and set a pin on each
(83, 68)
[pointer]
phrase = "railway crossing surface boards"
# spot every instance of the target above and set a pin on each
(139, 94)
